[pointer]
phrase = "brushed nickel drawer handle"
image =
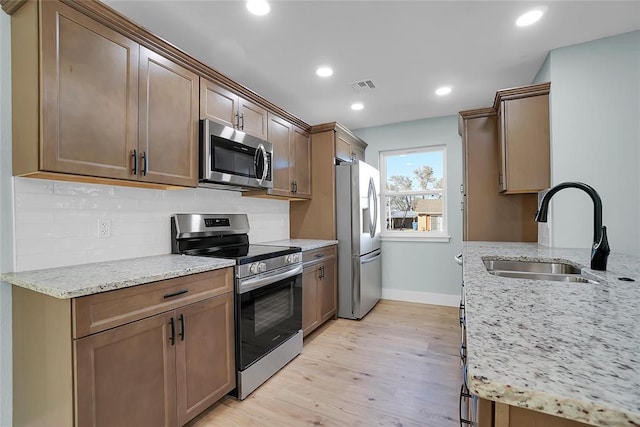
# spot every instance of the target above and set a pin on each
(175, 294)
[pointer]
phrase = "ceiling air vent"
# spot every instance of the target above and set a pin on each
(363, 85)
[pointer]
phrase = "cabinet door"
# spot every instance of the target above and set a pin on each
(280, 136)
(205, 354)
(524, 144)
(126, 376)
(168, 138)
(327, 290)
(357, 153)
(301, 167)
(310, 279)
(89, 96)
(253, 119)
(343, 148)
(218, 104)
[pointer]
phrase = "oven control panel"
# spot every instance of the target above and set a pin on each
(267, 265)
(293, 258)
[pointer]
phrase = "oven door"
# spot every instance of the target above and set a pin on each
(269, 311)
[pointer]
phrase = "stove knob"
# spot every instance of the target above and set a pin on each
(262, 267)
(290, 259)
(253, 268)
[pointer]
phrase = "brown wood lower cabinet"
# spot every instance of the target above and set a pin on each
(158, 367)
(319, 292)
(495, 414)
(205, 355)
(126, 376)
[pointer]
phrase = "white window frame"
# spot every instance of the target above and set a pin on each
(430, 236)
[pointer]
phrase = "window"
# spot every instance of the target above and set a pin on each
(413, 187)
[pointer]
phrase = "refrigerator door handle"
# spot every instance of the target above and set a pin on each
(373, 216)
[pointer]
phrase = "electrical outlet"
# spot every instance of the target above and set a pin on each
(104, 228)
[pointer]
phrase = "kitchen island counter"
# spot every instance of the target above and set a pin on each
(305, 244)
(86, 279)
(565, 349)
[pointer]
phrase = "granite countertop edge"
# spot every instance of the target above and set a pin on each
(304, 244)
(87, 279)
(579, 391)
(559, 406)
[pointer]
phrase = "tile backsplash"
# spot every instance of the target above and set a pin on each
(56, 222)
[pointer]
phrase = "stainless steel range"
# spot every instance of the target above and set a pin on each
(268, 292)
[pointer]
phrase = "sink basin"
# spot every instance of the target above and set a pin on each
(531, 267)
(534, 270)
(575, 278)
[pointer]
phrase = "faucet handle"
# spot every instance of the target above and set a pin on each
(600, 252)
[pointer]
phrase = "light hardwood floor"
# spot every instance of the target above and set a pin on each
(399, 366)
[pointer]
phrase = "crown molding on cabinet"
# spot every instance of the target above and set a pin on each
(10, 6)
(521, 92)
(338, 127)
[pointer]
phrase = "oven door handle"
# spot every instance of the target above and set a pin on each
(251, 284)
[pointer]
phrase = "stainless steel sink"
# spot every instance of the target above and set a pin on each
(532, 267)
(537, 270)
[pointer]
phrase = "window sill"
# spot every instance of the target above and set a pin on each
(414, 237)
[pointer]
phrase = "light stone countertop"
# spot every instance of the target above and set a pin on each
(86, 279)
(566, 349)
(305, 244)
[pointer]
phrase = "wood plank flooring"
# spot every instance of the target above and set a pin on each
(399, 366)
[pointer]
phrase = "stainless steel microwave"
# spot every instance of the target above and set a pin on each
(233, 159)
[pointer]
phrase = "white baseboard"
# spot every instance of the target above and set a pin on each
(421, 297)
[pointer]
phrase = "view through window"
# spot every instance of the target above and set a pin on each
(414, 197)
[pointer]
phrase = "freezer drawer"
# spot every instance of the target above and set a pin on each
(360, 294)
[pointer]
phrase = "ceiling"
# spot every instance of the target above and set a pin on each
(408, 48)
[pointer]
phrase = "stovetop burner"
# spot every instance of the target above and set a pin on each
(246, 254)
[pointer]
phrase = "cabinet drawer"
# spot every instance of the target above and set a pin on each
(320, 254)
(99, 312)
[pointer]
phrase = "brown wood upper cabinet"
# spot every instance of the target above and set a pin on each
(316, 218)
(223, 106)
(348, 149)
(523, 140)
(107, 107)
(291, 162)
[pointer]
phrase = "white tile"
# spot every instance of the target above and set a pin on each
(33, 216)
(64, 216)
(80, 189)
(50, 260)
(33, 185)
(26, 247)
(56, 222)
(34, 231)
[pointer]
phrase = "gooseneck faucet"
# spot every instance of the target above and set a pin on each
(600, 248)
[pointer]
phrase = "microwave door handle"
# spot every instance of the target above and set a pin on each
(264, 163)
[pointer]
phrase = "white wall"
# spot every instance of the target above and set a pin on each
(595, 138)
(422, 271)
(57, 222)
(6, 221)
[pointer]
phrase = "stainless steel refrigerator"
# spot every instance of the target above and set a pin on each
(358, 228)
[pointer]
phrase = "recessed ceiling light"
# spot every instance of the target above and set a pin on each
(529, 18)
(444, 90)
(258, 7)
(357, 106)
(324, 71)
